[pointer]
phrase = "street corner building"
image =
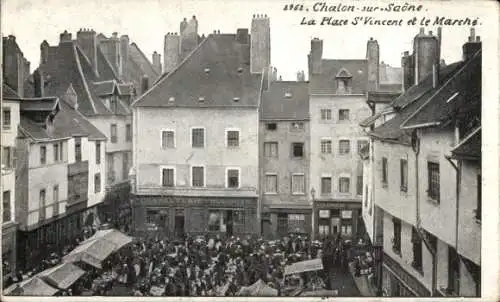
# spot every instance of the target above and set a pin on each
(196, 156)
(422, 202)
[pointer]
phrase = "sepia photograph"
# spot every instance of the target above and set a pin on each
(240, 149)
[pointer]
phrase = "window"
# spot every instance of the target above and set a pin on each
(384, 171)
(359, 185)
(167, 177)
(271, 183)
(61, 149)
(7, 214)
(433, 181)
(42, 203)
(344, 146)
(43, 155)
(479, 202)
(326, 185)
(296, 126)
(326, 114)
(298, 184)
(298, 149)
(6, 118)
(110, 160)
(361, 144)
(417, 250)
(396, 240)
(56, 152)
(128, 133)
(296, 222)
(343, 114)
(404, 175)
(114, 133)
(98, 153)
(271, 126)
(78, 149)
(271, 149)
(198, 138)
(346, 230)
(326, 146)
(112, 103)
(233, 178)
(6, 158)
(215, 220)
(97, 182)
(55, 193)
(125, 166)
(282, 225)
(233, 138)
(344, 184)
(343, 85)
(198, 176)
(167, 139)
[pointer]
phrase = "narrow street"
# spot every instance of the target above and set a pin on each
(343, 281)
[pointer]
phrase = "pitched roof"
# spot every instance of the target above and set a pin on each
(39, 104)
(324, 83)
(139, 58)
(461, 93)
(8, 92)
(217, 72)
(285, 101)
(470, 147)
(67, 123)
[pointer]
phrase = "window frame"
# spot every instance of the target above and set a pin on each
(97, 182)
(343, 140)
(55, 149)
(174, 172)
(430, 192)
(98, 153)
(277, 149)
(43, 154)
(271, 128)
(191, 137)
(227, 177)
(9, 203)
(326, 140)
(166, 141)
(348, 115)
(55, 189)
(5, 125)
(403, 163)
(385, 168)
(358, 184)
(113, 138)
(344, 177)
(191, 174)
(226, 131)
(128, 132)
(326, 114)
(303, 182)
(78, 149)
(329, 176)
(276, 191)
(293, 149)
(397, 236)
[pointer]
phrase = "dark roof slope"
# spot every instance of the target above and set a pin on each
(324, 83)
(459, 94)
(470, 147)
(285, 101)
(8, 92)
(217, 71)
(142, 61)
(39, 104)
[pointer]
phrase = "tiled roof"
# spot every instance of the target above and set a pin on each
(104, 88)
(126, 89)
(470, 147)
(215, 74)
(460, 94)
(325, 83)
(67, 123)
(139, 58)
(39, 104)
(285, 101)
(8, 93)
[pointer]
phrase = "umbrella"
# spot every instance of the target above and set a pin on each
(91, 252)
(62, 276)
(31, 287)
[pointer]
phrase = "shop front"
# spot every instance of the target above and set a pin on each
(335, 218)
(177, 216)
(9, 243)
(282, 220)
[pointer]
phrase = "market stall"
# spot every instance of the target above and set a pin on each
(31, 287)
(258, 289)
(62, 276)
(92, 252)
(111, 235)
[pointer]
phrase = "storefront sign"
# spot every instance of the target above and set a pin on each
(346, 214)
(324, 214)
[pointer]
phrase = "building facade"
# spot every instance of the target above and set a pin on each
(411, 203)
(196, 158)
(284, 158)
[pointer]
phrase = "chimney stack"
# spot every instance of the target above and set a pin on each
(144, 84)
(124, 52)
(472, 46)
(315, 56)
(242, 35)
(373, 57)
(38, 83)
(87, 41)
(157, 62)
(65, 37)
(408, 73)
(260, 44)
(301, 76)
(426, 55)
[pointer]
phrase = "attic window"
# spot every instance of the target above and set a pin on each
(207, 70)
(240, 69)
(171, 99)
(201, 99)
(236, 99)
(288, 95)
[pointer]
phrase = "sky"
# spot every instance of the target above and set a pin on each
(147, 21)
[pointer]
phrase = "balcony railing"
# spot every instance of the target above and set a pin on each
(194, 191)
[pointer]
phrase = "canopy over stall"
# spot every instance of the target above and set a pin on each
(112, 235)
(304, 266)
(91, 252)
(31, 287)
(62, 276)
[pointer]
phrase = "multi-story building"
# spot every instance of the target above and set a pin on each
(411, 203)
(338, 102)
(196, 151)
(284, 158)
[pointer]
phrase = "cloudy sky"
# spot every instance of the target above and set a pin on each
(147, 21)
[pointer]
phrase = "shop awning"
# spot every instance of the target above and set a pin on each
(112, 235)
(91, 252)
(31, 287)
(62, 276)
(304, 266)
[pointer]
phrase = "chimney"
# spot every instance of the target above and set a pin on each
(171, 52)
(300, 76)
(124, 45)
(87, 41)
(144, 84)
(472, 46)
(372, 56)
(44, 52)
(315, 56)
(260, 44)
(65, 37)
(242, 35)
(426, 55)
(157, 62)
(406, 63)
(38, 82)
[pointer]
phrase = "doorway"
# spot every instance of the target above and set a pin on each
(179, 223)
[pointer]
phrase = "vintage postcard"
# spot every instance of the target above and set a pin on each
(233, 149)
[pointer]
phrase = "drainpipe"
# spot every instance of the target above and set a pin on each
(457, 192)
(416, 148)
